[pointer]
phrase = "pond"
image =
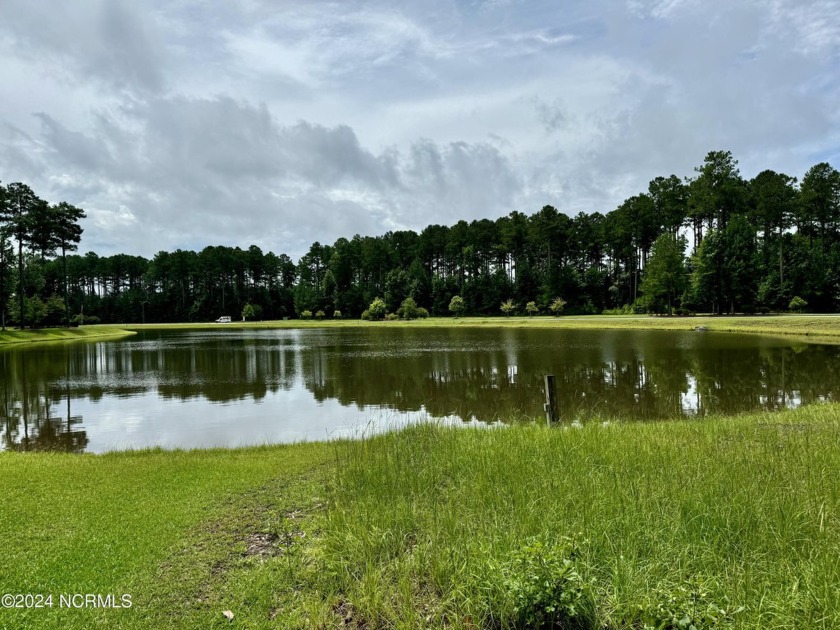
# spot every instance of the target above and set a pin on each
(237, 387)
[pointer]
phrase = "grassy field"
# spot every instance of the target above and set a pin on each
(817, 326)
(728, 522)
(11, 336)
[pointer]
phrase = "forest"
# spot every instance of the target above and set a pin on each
(712, 242)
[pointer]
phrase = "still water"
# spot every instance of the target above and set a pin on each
(239, 387)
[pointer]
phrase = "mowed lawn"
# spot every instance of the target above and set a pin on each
(824, 327)
(114, 523)
(82, 333)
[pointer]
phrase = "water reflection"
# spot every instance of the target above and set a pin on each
(243, 387)
(28, 421)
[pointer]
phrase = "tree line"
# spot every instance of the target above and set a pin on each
(41, 231)
(712, 242)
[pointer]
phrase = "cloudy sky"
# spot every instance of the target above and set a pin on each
(184, 123)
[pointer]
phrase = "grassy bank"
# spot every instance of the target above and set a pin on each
(816, 327)
(610, 526)
(11, 336)
(730, 522)
(824, 327)
(159, 526)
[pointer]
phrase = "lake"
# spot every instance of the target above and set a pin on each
(236, 387)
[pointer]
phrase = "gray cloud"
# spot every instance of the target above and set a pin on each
(183, 124)
(112, 41)
(190, 172)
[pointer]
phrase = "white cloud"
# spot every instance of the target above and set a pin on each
(188, 123)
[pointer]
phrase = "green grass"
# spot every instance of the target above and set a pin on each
(818, 327)
(156, 525)
(824, 328)
(12, 336)
(443, 527)
(674, 518)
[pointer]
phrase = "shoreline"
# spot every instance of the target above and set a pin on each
(12, 336)
(809, 328)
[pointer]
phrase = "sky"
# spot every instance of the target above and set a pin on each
(182, 124)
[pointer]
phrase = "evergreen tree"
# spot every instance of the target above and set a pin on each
(665, 274)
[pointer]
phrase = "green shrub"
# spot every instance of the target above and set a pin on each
(55, 311)
(627, 309)
(532, 308)
(249, 312)
(391, 317)
(542, 588)
(336, 314)
(306, 314)
(682, 606)
(797, 304)
(366, 315)
(377, 309)
(320, 315)
(456, 305)
(408, 309)
(422, 313)
(84, 319)
(557, 305)
(34, 309)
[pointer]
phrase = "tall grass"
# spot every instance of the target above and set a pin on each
(720, 522)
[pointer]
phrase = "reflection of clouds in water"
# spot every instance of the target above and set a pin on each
(205, 389)
(193, 425)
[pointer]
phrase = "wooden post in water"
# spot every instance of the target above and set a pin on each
(550, 407)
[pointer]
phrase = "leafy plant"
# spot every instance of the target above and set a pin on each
(532, 308)
(685, 606)
(546, 589)
(627, 309)
(55, 311)
(797, 304)
(377, 309)
(85, 319)
(557, 305)
(337, 314)
(508, 307)
(306, 314)
(248, 312)
(320, 315)
(456, 305)
(408, 309)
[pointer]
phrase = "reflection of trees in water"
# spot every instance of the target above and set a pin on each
(645, 379)
(220, 372)
(483, 374)
(27, 419)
